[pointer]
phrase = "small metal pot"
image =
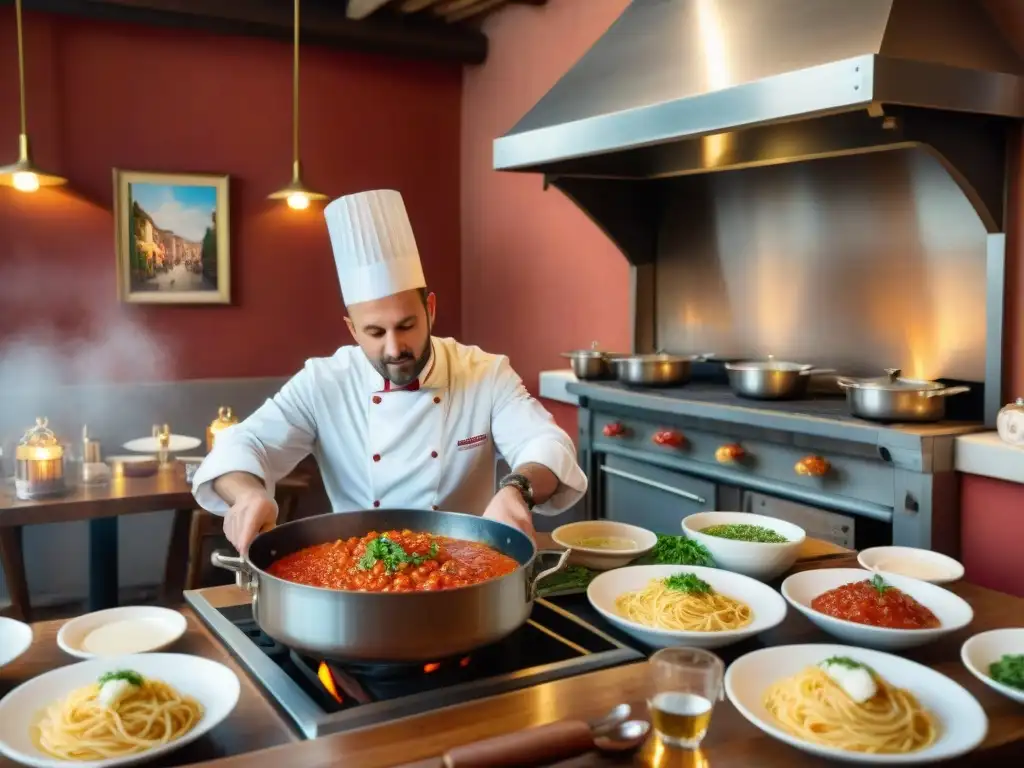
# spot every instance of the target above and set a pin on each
(591, 364)
(771, 379)
(657, 370)
(891, 398)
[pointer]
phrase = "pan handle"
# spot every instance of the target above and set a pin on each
(563, 558)
(945, 392)
(816, 371)
(244, 578)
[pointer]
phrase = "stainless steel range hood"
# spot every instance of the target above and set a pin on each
(690, 86)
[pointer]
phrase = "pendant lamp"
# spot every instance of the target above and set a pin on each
(297, 194)
(23, 174)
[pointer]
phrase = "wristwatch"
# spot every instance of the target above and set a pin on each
(521, 484)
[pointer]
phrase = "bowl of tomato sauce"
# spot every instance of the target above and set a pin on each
(874, 610)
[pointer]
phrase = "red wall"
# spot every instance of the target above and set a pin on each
(104, 95)
(538, 277)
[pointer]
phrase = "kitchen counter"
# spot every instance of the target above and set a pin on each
(257, 736)
(987, 455)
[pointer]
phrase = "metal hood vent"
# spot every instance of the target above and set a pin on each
(688, 86)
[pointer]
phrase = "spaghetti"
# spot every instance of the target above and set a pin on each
(683, 603)
(122, 714)
(815, 707)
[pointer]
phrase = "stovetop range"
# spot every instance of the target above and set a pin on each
(322, 697)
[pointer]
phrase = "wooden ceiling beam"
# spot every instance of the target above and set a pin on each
(324, 22)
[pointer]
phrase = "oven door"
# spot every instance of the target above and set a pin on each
(840, 529)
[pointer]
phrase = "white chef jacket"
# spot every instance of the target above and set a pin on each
(431, 447)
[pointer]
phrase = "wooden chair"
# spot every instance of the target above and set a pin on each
(206, 525)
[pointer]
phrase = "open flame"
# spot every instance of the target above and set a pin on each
(327, 680)
(431, 667)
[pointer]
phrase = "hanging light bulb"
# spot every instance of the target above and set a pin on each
(23, 174)
(296, 194)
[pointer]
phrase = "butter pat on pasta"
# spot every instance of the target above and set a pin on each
(854, 678)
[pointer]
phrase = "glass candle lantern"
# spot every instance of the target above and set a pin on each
(39, 464)
(225, 418)
(162, 434)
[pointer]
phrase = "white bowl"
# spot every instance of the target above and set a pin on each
(913, 563)
(603, 559)
(953, 612)
(125, 630)
(751, 558)
(212, 684)
(15, 639)
(984, 648)
(961, 718)
(769, 609)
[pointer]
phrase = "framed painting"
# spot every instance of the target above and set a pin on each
(172, 238)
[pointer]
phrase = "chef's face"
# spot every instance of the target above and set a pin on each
(394, 332)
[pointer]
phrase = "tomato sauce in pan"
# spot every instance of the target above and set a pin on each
(875, 603)
(394, 561)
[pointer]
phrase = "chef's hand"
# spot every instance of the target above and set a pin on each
(508, 506)
(253, 511)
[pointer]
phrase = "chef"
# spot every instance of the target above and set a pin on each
(403, 419)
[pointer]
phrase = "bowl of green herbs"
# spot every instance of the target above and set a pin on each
(758, 546)
(996, 658)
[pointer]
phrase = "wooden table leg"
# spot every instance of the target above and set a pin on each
(177, 557)
(103, 563)
(13, 560)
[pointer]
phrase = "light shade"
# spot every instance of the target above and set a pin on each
(24, 175)
(297, 193)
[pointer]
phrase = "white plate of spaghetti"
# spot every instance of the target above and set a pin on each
(115, 711)
(668, 605)
(856, 705)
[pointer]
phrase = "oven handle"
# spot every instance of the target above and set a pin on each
(653, 484)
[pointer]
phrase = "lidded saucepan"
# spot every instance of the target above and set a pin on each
(893, 398)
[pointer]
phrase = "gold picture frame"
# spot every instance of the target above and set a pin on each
(172, 237)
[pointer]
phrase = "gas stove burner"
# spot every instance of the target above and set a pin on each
(330, 696)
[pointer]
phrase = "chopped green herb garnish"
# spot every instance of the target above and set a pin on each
(679, 550)
(879, 583)
(846, 661)
(1009, 670)
(572, 577)
(688, 582)
(133, 678)
(745, 532)
(383, 549)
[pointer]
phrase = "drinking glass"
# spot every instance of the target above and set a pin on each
(687, 684)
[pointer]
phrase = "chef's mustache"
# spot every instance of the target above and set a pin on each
(406, 358)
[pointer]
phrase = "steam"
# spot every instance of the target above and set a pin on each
(61, 325)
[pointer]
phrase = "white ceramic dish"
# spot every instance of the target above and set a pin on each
(960, 716)
(212, 684)
(15, 639)
(987, 647)
(769, 609)
(751, 558)
(953, 612)
(121, 631)
(176, 444)
(913, 563)
(603, 559)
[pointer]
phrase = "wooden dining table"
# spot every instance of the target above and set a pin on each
(101, 506)
(258, 735)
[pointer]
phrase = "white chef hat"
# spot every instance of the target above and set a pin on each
(374, 247)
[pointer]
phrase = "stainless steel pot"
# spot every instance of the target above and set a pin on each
(657, 370)
(391, 627)
(771, 379)
(590, 364)
(891, 398)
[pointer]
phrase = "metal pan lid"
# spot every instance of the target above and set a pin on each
(767, 365)
(893, 382)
